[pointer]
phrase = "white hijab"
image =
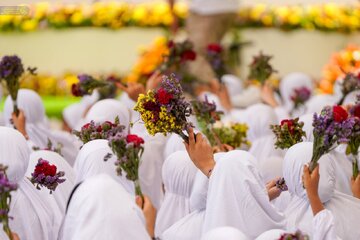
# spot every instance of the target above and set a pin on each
(233, 84)
(102, 209)
(291, 82)
(62, 192)
(36, 123)
(2, 122)
(108, 110)
(244, 202)
(228, 233)
(173, 144)
(33, 216)
(318, 102)
(178, 176)
(351, 98)
(308, 128)
(345, 209)
(259, 117)
(73, 113)
(90, 162)
(272, 234)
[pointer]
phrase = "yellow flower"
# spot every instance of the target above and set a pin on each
(29, 25)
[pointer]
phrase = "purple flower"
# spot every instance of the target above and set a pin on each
(300, 96)
(11, 67)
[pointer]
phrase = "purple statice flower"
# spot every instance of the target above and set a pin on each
(11, 67)
(205, 111)
(84, 78)
(350, 83)
(300, 96)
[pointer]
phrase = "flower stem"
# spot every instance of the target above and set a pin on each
(138, 191)
(355, 167)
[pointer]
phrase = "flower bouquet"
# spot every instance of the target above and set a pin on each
(232, 134)
(165, 110)
(296, 236)
(215, 57)
(92, 131)
(46, 175)
(50, 147)
(300, 96)
(179, 53)
(350, 83)
(86, 85)
(331, 127)
(128, 150)
(11, 69)
(354, 139)
(288, 133)
(260, 68)
(6, 187)
(281, 184)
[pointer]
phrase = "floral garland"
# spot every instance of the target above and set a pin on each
(115, 15)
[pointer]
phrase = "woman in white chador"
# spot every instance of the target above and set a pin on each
(90, 162)
(345, 208)
(100, 208)
(36, 124)
(63, 190)
(227, 233)
(178, 176)
(34, 217)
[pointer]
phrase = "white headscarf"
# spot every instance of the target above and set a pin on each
(36, 123)
(108, 110)
(178, 176)
(318, 102)
(299, 214)
(101, 209)
(272, 234)
(90, 162)
(73, 113)
(351, 98)
(308, 128)
(2, 122)
(33, 217)
(237, 197)
(233, 84)
(173, 144)
(62, 192)
(227, 233)
(291, 82)
(259, 117)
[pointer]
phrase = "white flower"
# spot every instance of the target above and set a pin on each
(356, 55)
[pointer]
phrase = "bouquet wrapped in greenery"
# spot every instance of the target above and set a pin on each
(288, 133)
(260, 68)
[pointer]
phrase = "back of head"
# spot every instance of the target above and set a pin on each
(233, 84)
(259, 117)
(291, 82)
(318, 102)
(178, 173)
(228, 233)
(308, 128)
(14, 153)
(29, 102)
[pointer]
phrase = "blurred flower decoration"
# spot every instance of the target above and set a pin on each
(115, 15)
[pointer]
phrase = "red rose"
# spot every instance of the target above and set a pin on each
(339, 114)
(214, 47)
(289, 123)
(131, 138)
(163, 97)
(188, 55)
(86, 126)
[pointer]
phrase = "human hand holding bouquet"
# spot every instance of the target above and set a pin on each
(260, 68)
(288, 133)
(46, 175)
(165, 110)
(128, 150)
(6, 187)
(92, 130)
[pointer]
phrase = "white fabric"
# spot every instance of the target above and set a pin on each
(73, 113)
(178, 176)
(33, 217)
(318, 102)
(291, 82)
(209, 7)
(308, 128)
(227, 233)
(249, 96)
(238, 198)
(323, 225)
(272, 234)
(90, 162)
(2, 122)
(351, 98)
(108, 110)
(37, 126)
(343, 169)
(63, 191)
(173, 144)
(299, 214)
(259, 117)
(102, 209)
(233, 84)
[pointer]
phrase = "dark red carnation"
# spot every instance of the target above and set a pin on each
(289, 123)
(356, 110)
(99, 128)
(214, 47)
(188, 55)
(170, 44)
(163, 97)
(75, 90)
(339, 114)
(137, 141)
(86, 126)
(46, 169)
(151, 106)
